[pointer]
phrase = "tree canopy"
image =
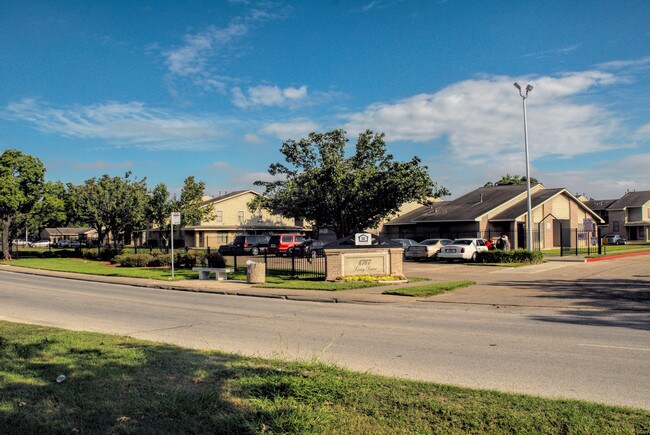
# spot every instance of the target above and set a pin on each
(191, 203)
(21, 186)
(508, 179)
(112, 204)
(344, 194)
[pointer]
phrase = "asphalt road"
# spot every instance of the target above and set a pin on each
(475, 346)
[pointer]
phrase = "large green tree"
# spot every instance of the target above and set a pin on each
(114, 205)
(21, 186)
(345, 194)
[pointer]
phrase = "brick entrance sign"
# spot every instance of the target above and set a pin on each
(379, 257)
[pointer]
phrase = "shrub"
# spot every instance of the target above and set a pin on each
(514, 256)
(188, 258)
(133, 260)
(160, 259)
(215, 259)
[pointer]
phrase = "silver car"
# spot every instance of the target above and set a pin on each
(427, 249)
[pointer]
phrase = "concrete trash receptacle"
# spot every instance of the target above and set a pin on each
(255, 272)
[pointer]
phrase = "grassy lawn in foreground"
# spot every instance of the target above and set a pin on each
(429, 289)
(78, 265)
(116, 384)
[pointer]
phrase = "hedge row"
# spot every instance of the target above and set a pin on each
(187, 259)
(513, 256)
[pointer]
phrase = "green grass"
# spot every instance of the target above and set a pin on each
(287, 282)
(429, 289)
(77, 265)
(121, 385)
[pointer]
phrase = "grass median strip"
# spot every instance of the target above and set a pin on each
(117, 384)
(428, 289)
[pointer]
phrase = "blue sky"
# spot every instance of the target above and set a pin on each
(168, 89)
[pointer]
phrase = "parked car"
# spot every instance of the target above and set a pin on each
(615, 239)
(427, 249)
(20, 243)
(308, 248)
(406, 243)
(40, 244)
(250, 244)
(462, 249)
(65, 243)
(226, 249)
(279, 244)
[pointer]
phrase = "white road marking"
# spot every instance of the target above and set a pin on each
(615, 347)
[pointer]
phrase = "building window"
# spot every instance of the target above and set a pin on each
(641, 233)
(648, 212)
(201, 239)
(222, 238)
(219, 216)
(240, 216)
(616, 227)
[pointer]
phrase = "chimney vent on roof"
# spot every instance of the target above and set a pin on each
(481, 198)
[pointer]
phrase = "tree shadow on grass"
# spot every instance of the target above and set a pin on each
(601, 302)
(117, 385)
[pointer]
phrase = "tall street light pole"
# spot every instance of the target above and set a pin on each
(529, 217)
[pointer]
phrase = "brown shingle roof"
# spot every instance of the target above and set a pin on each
(472, 205)
(631, 199)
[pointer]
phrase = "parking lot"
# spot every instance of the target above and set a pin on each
(593, 290)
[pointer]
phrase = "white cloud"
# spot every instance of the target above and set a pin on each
(268, 96)
(119, 123)
(253, 138)
(194, 60)
(481, 119)
(606, 180)
(295, 129)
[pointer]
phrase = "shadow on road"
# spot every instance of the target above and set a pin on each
(601, 302)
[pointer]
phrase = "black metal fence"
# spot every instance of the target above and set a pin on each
(292, 265)
(576, 241)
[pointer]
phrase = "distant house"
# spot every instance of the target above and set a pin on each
(83, 235)
(629, 216)
(492, 211)
(599, 206)
(231, 217)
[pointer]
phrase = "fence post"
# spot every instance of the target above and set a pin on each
(234, 256)
(576, 241)
(293, 264)
(561, 241)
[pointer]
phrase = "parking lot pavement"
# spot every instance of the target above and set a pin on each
(616, 285)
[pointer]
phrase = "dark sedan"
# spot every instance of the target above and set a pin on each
(309, 248)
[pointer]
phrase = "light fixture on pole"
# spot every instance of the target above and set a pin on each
(529, 218)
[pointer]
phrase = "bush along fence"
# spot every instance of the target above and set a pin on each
(513, 256)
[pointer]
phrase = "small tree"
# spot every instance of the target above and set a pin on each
(345, 194)
(21, 186)
(191, 203)
(159, 209)
(507, 180)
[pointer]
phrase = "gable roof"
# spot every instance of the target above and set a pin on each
(631, 199)
(477, 203)
(599, 204)
(473, 205)
(229, 195)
